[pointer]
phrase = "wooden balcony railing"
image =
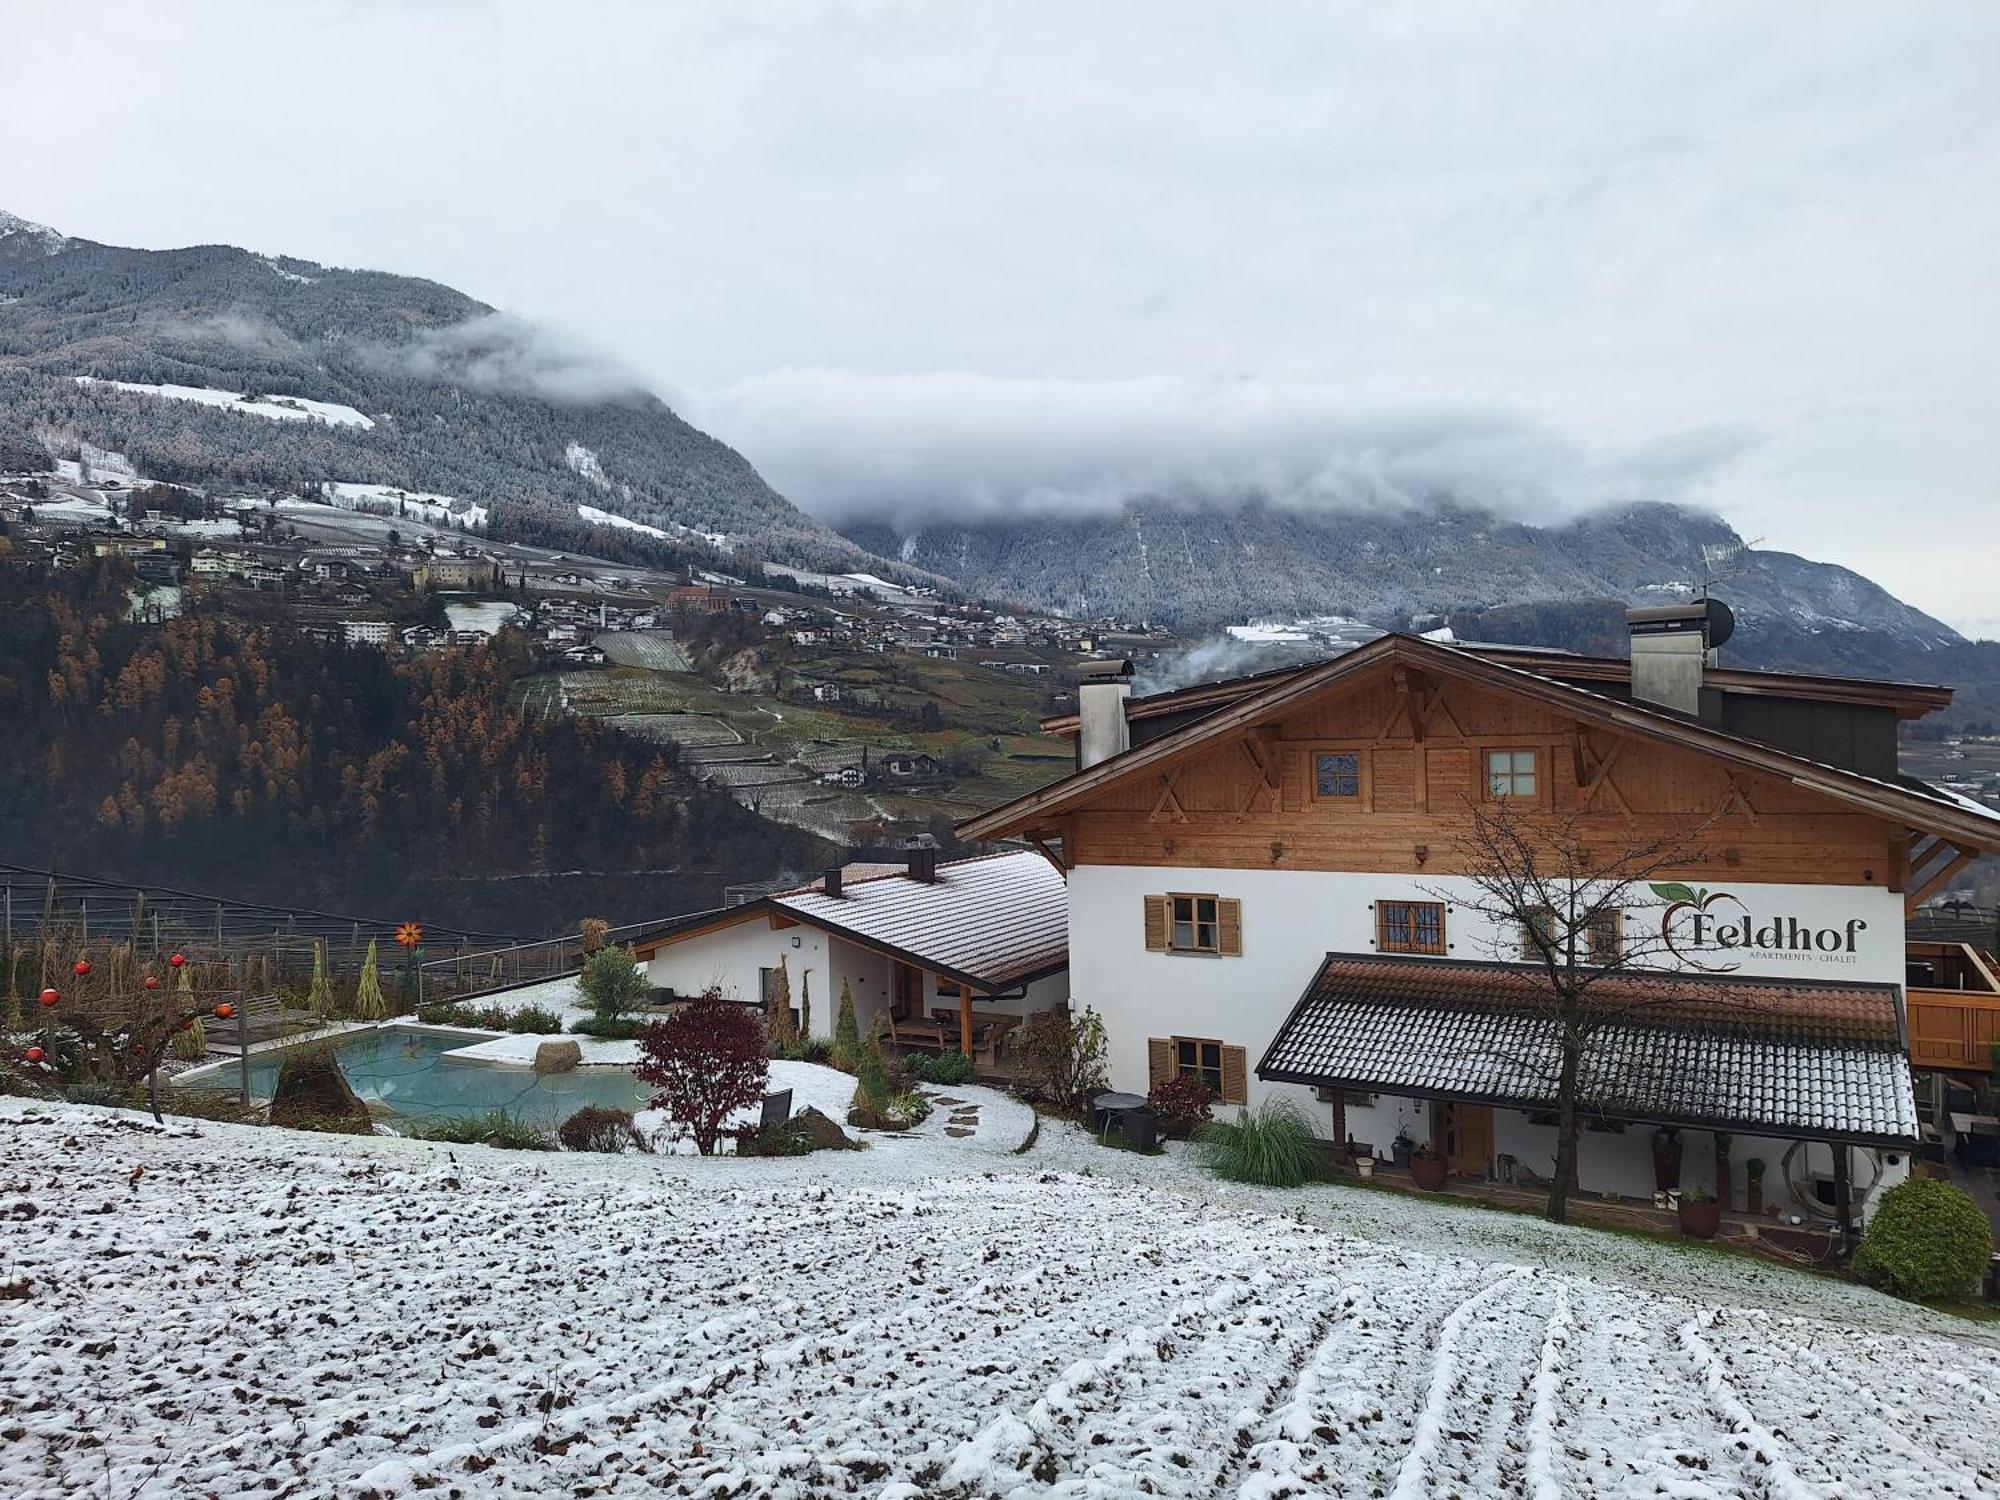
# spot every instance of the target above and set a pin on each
(1955, 1021)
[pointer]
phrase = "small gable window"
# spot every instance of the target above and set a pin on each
(1336, 773)
(1511, 773)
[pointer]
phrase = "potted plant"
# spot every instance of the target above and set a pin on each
(1427, 1166)
(1701, 1214)
(1666, 1159)
(1401, 1148)
(1753, 1187)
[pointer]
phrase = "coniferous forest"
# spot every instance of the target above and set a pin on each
(263, 763)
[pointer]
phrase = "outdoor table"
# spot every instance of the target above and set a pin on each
(1104, 1106)
(1978, 1139)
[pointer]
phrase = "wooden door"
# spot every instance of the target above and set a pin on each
(1464, 1134)
(906, 999)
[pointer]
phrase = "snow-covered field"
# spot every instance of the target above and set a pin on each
(218, 1311)
(487, 616)
(279, 408)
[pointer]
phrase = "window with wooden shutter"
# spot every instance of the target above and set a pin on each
(1235, 1076)
(1193, 922)
(1229, 926)
(1159, 1061)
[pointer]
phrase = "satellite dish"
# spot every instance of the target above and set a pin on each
(1721, 623)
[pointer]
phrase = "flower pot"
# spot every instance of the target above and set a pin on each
(1366, 1167)
(1701, 1220)
(1400, 1151)
(1429, 1172)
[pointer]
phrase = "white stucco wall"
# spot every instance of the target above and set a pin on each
(731, 956)
(1292, 919)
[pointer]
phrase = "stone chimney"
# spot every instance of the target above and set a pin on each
(832, 883)
(923, 865)
(1101, 690)
(1671, 647)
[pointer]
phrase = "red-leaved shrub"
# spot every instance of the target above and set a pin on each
(1181, 1103)
(706, 1061)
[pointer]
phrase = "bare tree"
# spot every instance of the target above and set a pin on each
(1560, 893)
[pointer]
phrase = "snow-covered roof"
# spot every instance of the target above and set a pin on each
(998, 920)
(1793, 1058)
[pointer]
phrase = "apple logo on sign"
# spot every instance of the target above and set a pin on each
(1681, 898)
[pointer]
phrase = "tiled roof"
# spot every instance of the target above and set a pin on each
(997, 920)
(1790, 1058)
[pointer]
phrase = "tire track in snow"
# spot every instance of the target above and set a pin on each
(1778, 1473)
(1450, 1379)
(1544, 1480)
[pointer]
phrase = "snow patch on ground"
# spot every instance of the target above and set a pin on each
(207, 1309)
(279, 408)
(583, 461)
(387, 500)
(487, 616)
(598, 517)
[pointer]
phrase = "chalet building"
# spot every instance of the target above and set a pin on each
(937, 956)
(1271, 886)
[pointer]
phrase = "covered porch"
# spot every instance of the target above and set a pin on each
(1775, 1098)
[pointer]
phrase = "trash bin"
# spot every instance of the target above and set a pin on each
(1141, 1128)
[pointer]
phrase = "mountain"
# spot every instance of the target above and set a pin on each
(1201, 568)
(359, 377)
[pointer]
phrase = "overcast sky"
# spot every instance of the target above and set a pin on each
(944, 257)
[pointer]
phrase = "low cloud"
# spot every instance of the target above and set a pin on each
(239, 329)
(508, 356)
(918, 450)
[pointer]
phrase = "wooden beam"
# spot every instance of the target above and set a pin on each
(1921, 892)
(1042, 848)
(1167, 799)
(1601, 780)
(1738, 794)
(965, 1019)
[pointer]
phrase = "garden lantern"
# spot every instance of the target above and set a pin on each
(50, 997)
(80, 968)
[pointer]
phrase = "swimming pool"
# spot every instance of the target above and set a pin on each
(402, 1072)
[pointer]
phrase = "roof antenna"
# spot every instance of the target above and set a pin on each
(1712, 555)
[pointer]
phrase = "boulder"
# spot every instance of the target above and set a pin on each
(824, 1134)
(558, 1057)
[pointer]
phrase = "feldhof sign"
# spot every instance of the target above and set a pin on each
(1715, 930)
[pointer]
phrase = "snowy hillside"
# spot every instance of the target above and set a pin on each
(279, 408)
(237, 1313)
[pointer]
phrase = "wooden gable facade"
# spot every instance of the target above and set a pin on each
(1408, 729)
(1419, 746)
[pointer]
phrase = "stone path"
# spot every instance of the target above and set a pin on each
(963, 1120)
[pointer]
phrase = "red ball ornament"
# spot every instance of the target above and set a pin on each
(152, 981)
(177, 960)
(224, 1011)
(50, 997)
(35, 1054)
(80, 967)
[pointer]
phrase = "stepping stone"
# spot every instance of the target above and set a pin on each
(957, 1132)
(955, 1103)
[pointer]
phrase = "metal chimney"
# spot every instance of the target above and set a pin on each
(832, 882)
(1102, 729)
(1671, 645)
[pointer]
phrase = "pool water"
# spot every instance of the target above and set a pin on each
(401, 1072)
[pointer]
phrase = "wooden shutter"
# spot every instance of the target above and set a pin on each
(1159, 1059)
(1156, 924)
(1235, 1076)
(1229, 925)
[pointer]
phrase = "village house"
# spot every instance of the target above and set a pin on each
(936, 956)
(1270, 887)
